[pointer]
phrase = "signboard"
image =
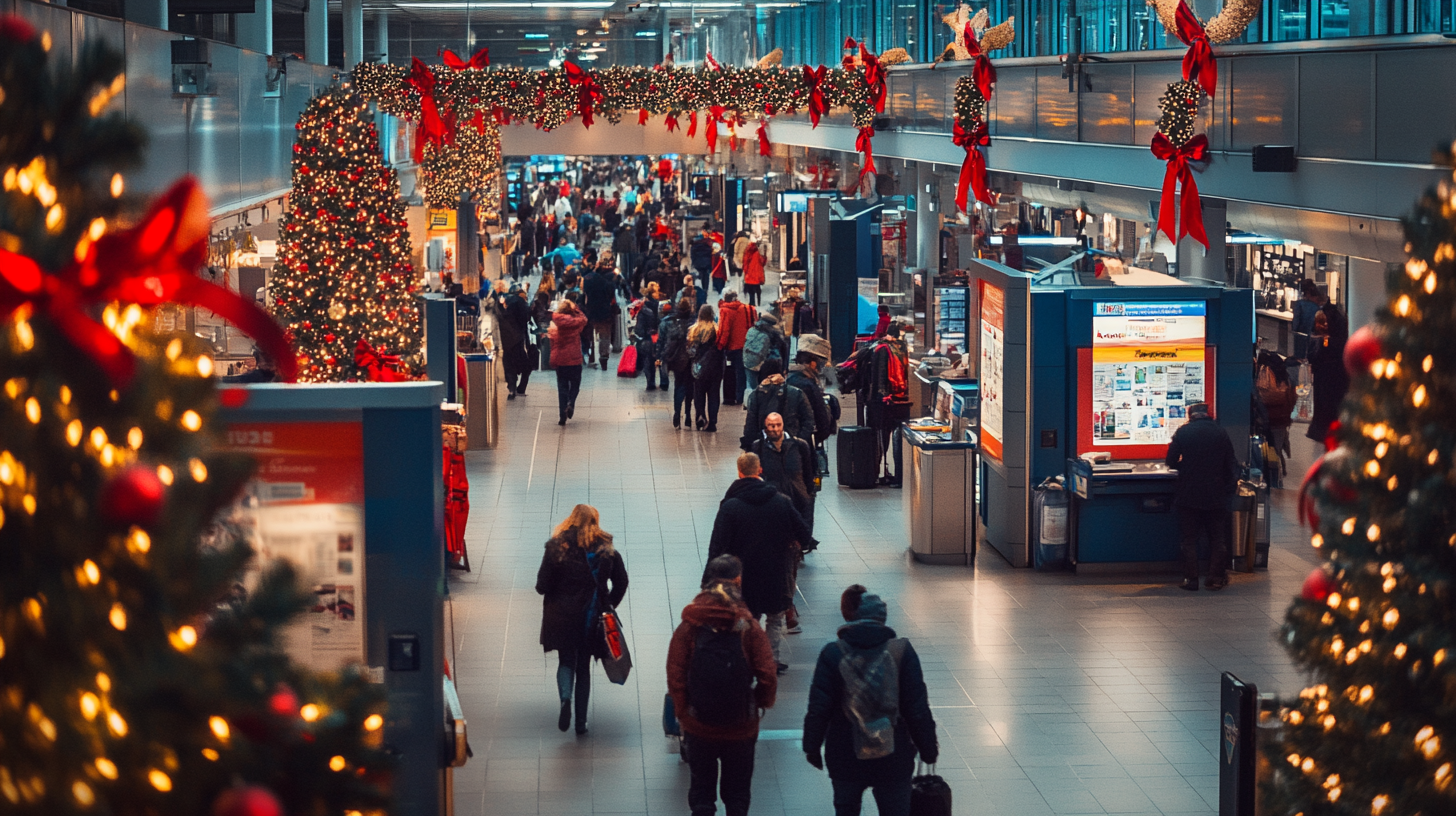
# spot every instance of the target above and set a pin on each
(440, 220)
(305, 505)
(1148, 364)
(869, 305)
(993, 342)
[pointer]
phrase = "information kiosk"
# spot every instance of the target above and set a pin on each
(1089, 379)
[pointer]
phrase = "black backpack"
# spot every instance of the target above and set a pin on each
(720, 681)
(854, 374)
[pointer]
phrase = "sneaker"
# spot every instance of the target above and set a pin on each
(783, 668)
(796, 629)
(563, 722)
(1191, 586)
(511, 395)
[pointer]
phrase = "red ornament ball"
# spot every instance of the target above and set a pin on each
(284, 702)
(249, 800)
(1362, 349)
(1318, 585)
(134, 496)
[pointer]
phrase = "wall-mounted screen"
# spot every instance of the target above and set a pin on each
(1148, 364)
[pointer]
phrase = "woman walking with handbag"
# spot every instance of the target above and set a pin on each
(707, 368)
(576, 570)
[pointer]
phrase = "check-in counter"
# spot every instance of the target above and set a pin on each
(939, 481)
(1122, 513)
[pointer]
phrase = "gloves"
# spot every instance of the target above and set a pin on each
(815, 758)
(929, 757)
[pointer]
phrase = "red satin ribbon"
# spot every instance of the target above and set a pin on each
(378, 367)
(983, 71)
(692, 124)
(864, 143)
(501, 117)
(874, 77)
(1179, 172)
(764, 148)
(479, 61)
(1198, 63)
(715, 115)
(150, 264)
(642, 116)
(814, 79)
(712, 63)
(432, 129)
(589, 92)
(672, 124)
(478, 120)
(973, 169)
(847, 61)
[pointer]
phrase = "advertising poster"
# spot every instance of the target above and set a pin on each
(305, 504)
(1148, 365)
(993, 340)
(869, 305)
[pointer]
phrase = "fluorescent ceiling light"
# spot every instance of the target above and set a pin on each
(462, 4)
(536, 36)
(713, 4)
(645, 34)
(588, 57)
(1037, 240)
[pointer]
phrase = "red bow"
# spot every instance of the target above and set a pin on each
(864, 143)
(642, 116)
(814, 79)
(1198, 63)
(1179, 172)
(847, 60)
(588, 95)
(715, 115)
(973, 169)
(377, 367)
(479, 61)
(764, 148)
(432, 129)
(692, 124)
(153, 263)
(983, 71)
(875, 77)
(671, 123)
(712, 63)
(501, 117)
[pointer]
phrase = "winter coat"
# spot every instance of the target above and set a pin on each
(600, 293)
(719, 610)
(513, 316)
(881, 390)
(1327, 368)
(823, 420)
(753, 266)
(672, 343)
(541, 310)
(769, 325)
(707, 357)
(623, 242)
(734, 318)
(701, 254)
(759, 524)
(790, 468)
(565, 580)
(771, 396)
(826, 723)
(566, 346)
(740, 250)
(1208, 469)
(647, 321)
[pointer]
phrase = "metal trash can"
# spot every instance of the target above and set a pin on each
(934, 493)
(1244, 526)
(482, 399)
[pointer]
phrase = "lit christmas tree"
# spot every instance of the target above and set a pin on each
(135, 676)
(344, 272)
(1376, 624)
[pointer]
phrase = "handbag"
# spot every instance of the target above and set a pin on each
(618, 662)
(929, 794)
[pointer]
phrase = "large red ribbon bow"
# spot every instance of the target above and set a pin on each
(874, 77)
(715, 115)
(377, 367)
(814, 79)
(1198, 63)
(864, 143)
(588, 93)
(480, 60)
(692, 123)
(432, 129)
(1178, 172)
(847, 60)
(153, 263)
(642, 116)
(983, 72)
(764, 148)
(672, 123)
(973, 169)
(712, 63)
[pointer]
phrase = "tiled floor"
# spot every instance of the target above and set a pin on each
(1054, 693)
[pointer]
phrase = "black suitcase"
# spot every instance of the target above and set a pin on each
(858, 456)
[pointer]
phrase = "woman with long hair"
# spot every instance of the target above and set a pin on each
(581, 576)
(672, 350)
(707, 368)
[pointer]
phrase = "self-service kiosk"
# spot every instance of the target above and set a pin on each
(1090, 382)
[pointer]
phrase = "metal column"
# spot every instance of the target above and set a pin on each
(255, 31)
(353, 33)
(315, 32)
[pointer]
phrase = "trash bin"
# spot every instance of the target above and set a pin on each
(1050, 524)
(935, 487)
(482, 400)
(1245, 526)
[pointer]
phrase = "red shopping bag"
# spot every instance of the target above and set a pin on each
(627, 366)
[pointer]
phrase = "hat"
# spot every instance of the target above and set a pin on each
(815, 345)
(1198, 410)
(518, 287)
(872, 608)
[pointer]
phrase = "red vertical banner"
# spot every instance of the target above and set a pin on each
(989, 372)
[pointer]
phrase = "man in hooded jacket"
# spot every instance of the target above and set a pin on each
(773, 395)
(759, 524)
(719, 608)
(827, 725)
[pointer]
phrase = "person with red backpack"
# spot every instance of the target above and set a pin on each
(721, 675)
(886, 396)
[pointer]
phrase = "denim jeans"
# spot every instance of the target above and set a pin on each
(705, 756)
(733, 377)
(568, 385)
(775, 624)
(892, 799)
(648, 363)
(602, 331)
(754, 378)
(682, 391)
(574, 668)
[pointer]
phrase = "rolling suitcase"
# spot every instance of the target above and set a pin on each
(545, 344)
(858, 457)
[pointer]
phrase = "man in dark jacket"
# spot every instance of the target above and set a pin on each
(720, 734)
(1208, 472)
(759, 524)
(643, 330)
(700, 254)
(513, 314)
(856, 762)
(887, 398)
(773, 395)
(599, 293)
(788, 464)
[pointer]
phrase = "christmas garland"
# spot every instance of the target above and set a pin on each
(972, 95)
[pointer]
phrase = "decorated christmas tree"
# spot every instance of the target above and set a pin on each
(137, 676)
(1376, 624)
(343, 274)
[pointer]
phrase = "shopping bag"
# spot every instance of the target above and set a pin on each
(627, 366)
(618, 662)
(929, 795)
(670, 725)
